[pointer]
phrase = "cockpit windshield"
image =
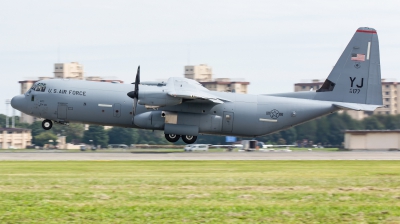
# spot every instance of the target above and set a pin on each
(38, 87)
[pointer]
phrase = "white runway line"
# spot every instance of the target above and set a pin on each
(57, 156)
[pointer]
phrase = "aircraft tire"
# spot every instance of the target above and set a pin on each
(172, 137)
(189, 139)
(47, 124)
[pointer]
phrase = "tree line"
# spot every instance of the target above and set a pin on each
(328, 130)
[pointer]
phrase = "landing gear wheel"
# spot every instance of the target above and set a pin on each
(172, 137)
(47, 124)
(189, 139)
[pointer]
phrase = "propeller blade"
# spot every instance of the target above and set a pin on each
(134, 110)
(137, 82)
(135, 94)
(138, 75)
(134, 106)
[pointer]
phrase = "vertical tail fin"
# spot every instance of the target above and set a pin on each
(356, 77)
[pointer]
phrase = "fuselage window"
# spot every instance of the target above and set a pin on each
(32, 98)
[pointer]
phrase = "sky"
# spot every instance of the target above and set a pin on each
(271, 44)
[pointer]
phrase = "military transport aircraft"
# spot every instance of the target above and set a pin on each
(183, 108)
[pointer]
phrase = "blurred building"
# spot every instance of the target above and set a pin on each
(203, 74)
(72, 70)
(390, 94)
(15, 138)
(200, 73)
(372, 139)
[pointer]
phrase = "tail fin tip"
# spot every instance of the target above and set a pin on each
(366, 30)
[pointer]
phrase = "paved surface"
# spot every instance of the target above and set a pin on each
(59, 156)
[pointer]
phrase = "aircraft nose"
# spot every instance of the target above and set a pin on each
(18, 102)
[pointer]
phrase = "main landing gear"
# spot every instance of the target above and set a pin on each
(188, 139)
(47, 124)
(172, 137)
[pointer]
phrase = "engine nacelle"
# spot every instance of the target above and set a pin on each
(156, 97)
(150, 120)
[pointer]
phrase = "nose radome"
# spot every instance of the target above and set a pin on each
(18, 102)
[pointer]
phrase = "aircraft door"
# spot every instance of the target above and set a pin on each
(62, 111)
(227, 123)
(117, 110)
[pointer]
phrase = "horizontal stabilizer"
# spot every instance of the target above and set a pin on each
(356, 106)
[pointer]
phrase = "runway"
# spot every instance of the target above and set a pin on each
(97, 156)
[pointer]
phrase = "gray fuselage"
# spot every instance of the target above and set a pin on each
(102, 103)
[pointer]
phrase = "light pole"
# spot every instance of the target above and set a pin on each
(7, 105)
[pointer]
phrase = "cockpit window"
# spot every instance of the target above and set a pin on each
(40, 87)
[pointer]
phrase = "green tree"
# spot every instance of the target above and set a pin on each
(2, 120)
(73, 131)
(150, 137)
(36, 130)
(18, 124)
(373, 123)
(210, 139)
(336, 130)
(45, 137)
(118, 135)
(307, 131)
(323, 127)
(97, 134)
(290, 135)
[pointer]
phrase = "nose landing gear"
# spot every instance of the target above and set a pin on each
(47, 124)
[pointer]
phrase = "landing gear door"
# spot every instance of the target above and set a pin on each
(62, 111)
(117, 110)
(227, 122)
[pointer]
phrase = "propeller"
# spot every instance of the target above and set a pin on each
(135, 94)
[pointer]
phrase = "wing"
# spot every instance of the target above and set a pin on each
(190, 89)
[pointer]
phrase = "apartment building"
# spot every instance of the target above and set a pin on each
(203, 74)
(15, 138)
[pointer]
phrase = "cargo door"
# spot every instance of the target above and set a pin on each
(62, 111)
